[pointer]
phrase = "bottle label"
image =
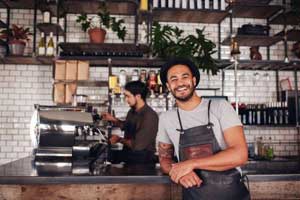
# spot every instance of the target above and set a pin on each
(42, 51)
(50, 51)
(46, 17)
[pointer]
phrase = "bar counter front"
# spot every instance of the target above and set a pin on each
(23, 179)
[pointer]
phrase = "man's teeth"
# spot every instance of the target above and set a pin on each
(181, 89)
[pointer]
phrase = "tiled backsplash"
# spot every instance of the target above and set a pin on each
(22, 86)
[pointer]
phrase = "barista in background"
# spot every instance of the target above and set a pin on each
(140, 126)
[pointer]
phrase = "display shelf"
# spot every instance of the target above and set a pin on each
(127, 7)
(52, 8)
(292, 35)
(92, 83)
(27, 60)
(263, 65)
(103, 49)
(97, 61)
(2, 24)
(241, 10)
(253, 40)
(289, 18)
(20, 4)
(48, 27)
(188, 15)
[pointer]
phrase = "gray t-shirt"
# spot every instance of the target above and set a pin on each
(222, 115)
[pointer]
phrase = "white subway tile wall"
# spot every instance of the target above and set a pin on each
(22, 86)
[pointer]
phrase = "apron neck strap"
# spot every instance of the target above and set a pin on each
(179, 119)
(208, 111)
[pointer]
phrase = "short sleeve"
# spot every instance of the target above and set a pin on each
(228, 117)
(162, 134)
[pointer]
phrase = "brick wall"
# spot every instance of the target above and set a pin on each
(22, 86)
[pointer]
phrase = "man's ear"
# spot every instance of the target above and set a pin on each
(138, 96)
(194, 80)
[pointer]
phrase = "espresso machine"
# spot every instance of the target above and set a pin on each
(67, 140)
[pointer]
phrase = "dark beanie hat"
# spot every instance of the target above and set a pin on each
(178, 61)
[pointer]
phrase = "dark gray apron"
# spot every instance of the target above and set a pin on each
(199, 142)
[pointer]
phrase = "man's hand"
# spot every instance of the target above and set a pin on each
(114, 139)
(181, 169)
(108, 117)
(190, 180)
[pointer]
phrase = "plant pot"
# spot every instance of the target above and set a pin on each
(97, 35)
(16, 47)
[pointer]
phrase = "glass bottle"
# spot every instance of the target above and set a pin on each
(42, 45)
(46, 16)
(122, 78)
(135, 75)
(143, 76)
(152, 80)
(50, 46)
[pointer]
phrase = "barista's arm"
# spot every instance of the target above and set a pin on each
(108, 117)
(236, 154)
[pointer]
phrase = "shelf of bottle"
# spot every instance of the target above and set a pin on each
(28, 60)
(264, 65)
(241, 10)
(253, 40)
(186, 15)
(289, 18)
(47, 28)
(292, 35)
(247, 126)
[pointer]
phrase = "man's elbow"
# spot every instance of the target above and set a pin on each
(242, 158)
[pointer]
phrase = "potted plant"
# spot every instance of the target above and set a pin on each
(95, 25)
(17, 38)
(167, 41)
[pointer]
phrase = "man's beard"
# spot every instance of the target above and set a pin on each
(185, 98)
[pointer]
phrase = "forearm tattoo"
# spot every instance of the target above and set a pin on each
(165, 150)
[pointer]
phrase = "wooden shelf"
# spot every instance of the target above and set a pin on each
(92, 83)
(263, 65)
(97, 61)
(253, 40)
(292, 35)
(254, 11)
(2, 24)
(188, 16)
(20, 4)
(127, 7)
(103, 49)
(48, 27)
(289, 18)
(27, 60)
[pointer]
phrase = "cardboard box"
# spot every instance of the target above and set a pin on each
(60, 70)
(83, 68)
(71, 70)
(59, 93)
(70, 91)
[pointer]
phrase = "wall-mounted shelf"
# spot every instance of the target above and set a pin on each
(253, 40)
(21, 4)
(48, 27)
(292, 35)
(188, 16)
(103, 49)
(253, 11)
(127, 7)
(264, 65)
(27, 60)
(290, 18)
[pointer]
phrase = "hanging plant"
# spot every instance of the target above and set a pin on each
(168, 41)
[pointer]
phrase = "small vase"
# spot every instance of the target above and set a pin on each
(97, 35)
(16, 47)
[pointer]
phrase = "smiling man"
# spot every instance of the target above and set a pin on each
(206, 136)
